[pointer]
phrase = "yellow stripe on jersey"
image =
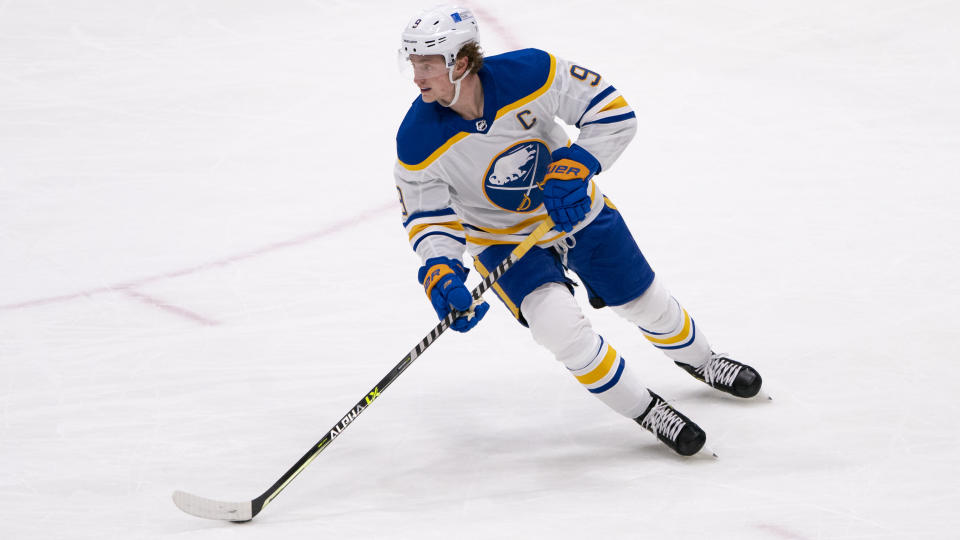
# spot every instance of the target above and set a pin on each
(615, 104)
(497, 289)
(515, 228)
(436, 153)
(601, 370)
(493, 242)
(500, 112)
(417, 229)
(682, 336)
(483, 241)
(530, 97)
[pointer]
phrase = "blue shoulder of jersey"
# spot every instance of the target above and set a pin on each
(425, 128)
(506, 78)
(518, 74)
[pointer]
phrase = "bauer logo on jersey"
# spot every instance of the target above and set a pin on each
(512, 179)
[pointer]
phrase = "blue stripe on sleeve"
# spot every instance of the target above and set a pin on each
(429, 213)
(431, 233)
(597, 99)
(612, 119)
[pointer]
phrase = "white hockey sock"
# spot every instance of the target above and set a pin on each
(667, 325)
(557, 323)
(609, 377)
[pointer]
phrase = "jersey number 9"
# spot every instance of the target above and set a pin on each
(581, 73)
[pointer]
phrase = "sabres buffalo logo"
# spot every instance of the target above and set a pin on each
(512, 181)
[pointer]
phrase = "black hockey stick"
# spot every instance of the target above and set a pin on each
(245, 511)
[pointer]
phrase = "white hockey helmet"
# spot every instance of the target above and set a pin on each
(439, 30)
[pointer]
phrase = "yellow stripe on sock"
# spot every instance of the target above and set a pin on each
(602, 370)
(682, 336)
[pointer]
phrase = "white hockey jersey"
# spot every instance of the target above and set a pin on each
(479, 182)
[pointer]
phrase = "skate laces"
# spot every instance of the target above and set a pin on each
(721, 370)
(663, 420)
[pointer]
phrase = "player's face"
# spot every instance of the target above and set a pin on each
(432, 78)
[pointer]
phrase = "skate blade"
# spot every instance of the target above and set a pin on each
(707, 452)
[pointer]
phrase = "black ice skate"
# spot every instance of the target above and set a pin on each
(674, 429)
(727, 375)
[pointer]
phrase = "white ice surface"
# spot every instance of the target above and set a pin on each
(202, 269)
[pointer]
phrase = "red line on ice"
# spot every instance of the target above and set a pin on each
(126, 286)
(166, 306)
(488, 20)
(781, 532)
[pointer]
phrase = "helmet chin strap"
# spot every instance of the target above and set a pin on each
(456, 85)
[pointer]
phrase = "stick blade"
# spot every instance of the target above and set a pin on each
(211, 509)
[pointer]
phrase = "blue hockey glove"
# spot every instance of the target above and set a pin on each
(566, 185)
(443, 279)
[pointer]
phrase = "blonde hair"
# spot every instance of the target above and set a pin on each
(474, 55)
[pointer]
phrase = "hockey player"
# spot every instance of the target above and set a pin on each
(482, 161)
